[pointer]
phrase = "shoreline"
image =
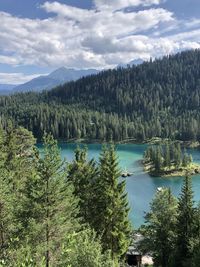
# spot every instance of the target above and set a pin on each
(152, 141)
(193, 169)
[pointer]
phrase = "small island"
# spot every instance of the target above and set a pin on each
(169, 160)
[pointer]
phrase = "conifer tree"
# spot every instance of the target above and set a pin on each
(112, 205)
(185, 225)
(159, 230)
(196, 254)
(83, 174)
(167, 159)
(19, 154)
(6, 219)
(48, 208)
(177, 155)
(158, 159)
(185, 159)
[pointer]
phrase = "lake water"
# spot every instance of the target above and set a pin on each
(140, 187)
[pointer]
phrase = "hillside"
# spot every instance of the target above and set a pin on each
(158, 98)
(57, 77)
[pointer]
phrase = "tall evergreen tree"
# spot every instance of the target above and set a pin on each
(177, 155)
(158, 159)
(167, 159)
(6, 219)
(112, 205)
(159, 230)
(48, 210)
(196, 254)
(19, 154)
(83, 172)
(185, 225)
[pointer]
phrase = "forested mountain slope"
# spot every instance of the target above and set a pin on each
(157, 98)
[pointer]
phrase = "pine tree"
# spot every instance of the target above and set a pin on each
(83, 174)
(159, 230)
(167, 159)
(185, 225)
(177, 155)
(19, 153)
(112, 205)
(48, 208)
(196, 254)
(6, 219)
(158, 163)
(185, 159)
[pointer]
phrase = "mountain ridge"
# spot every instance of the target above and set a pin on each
(55, 78)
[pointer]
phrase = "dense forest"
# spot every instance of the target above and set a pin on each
(158, 98)
(59, 214)
(73, 214)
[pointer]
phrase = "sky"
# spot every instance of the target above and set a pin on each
(39, 36)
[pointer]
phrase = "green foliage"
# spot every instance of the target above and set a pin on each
(44, 204)
(167, 157)
(48, 208)
(172, 230)
(159, 231)
(16, 148)
(196, 241)
(83, 174)
(102, 199)
(157, 98)
(112, 205)
(83, 249)
(185, 225)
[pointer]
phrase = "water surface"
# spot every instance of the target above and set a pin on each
(140, 187)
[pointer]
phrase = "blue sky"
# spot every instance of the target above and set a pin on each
(38, 36)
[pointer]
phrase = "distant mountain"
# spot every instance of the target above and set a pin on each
(65, 75)
(57, 77)
(5, 89)
(135, 62)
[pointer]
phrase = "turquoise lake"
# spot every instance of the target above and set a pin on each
(140, 187)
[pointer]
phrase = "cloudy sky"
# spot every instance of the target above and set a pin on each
(38, 36)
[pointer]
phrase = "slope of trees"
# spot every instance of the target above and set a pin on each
(171, 232)
(159, 98)
(48, 213)
(54, 214)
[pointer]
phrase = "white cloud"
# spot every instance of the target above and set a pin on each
(101, 37)
(10, 60)
(67, 11)
(15, 78)
(120, 4)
